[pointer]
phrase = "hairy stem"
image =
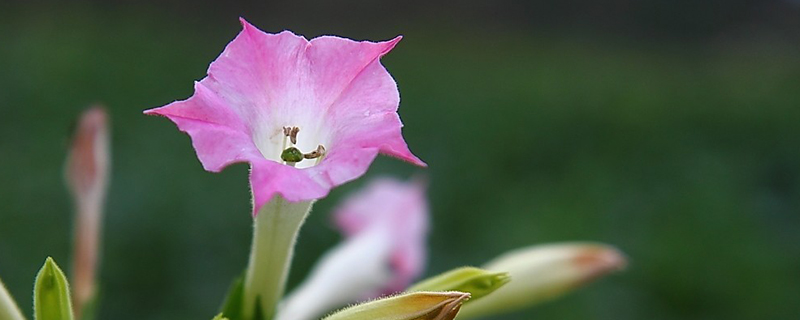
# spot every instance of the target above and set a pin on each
(274, 235)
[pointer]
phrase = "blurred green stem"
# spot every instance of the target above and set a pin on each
(274, 235)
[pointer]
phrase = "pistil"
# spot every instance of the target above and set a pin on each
(292, 155)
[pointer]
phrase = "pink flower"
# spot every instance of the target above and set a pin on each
(398, 208)
(307, 115)
(385, 227)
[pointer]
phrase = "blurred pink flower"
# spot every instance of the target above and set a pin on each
(398, 208)
(385, 227)
(334, 93)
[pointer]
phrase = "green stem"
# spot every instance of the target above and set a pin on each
(274, 235)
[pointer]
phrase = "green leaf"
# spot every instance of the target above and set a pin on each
(232, 307)
(478, 282)
(234, 303)
(51, 300)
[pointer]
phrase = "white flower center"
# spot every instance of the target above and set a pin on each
(288, 149)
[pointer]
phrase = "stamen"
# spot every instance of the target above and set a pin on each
(293, 135)
(316, 153)
(286, 132)
(291, 155)
(291, 132)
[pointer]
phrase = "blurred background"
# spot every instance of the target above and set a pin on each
(667, 128)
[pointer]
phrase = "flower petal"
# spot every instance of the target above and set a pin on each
(344, 164)
(337, 63)
(341, 276)
(333, 89)
(371, 100)
(259, 73)
(403, 207)
(268, 178)
(218, 135)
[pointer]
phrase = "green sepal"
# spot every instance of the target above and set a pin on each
(51, 299)
(232, 306)
(258, 314)
(478, 282)
(234, 303)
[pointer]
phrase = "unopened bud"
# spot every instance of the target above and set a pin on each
(544, 272)
(477, 282)
(51, 298)
(88, 161)
(407, 306)
(87, 177)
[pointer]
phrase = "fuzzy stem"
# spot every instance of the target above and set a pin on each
(274, 235)
(87, 249)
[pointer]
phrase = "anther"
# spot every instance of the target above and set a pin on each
(293, 135)
(316, 153)
(291, 132)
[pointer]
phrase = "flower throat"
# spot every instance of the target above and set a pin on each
(291, 155)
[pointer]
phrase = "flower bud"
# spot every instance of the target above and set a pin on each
(87, 178)
(407, 306)
(88, 160)
(544, 272)
(477, 282)
(51, 299)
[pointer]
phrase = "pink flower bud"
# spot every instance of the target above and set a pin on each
(87, 178)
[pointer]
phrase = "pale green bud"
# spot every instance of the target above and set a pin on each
(544, 272)
(476, 281)
(51, 299)
(406, 306)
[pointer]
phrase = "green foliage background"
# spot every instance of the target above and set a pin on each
(674, 136)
